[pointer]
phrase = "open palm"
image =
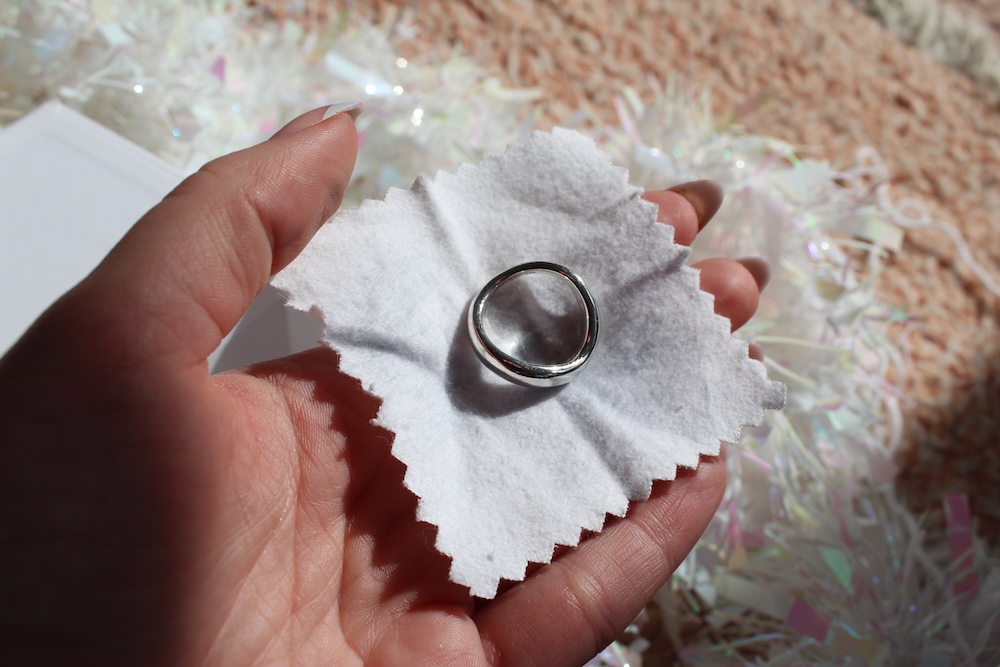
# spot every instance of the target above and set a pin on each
(154, 514)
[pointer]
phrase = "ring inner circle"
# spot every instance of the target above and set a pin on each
(538, 317)
(521, 371)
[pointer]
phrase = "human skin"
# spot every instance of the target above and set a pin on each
(154, 514)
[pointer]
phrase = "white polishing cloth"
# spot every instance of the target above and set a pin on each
(505, 472)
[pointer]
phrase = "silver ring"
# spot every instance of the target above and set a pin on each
(524, 372)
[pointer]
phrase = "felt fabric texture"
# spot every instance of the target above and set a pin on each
(506, 472)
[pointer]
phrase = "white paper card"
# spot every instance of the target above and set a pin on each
(70, 189)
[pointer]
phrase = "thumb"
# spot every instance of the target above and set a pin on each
(182, 277)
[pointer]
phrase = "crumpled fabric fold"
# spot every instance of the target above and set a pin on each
(506, 473)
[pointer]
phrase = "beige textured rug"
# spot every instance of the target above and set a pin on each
(964, 34)
(828, 78)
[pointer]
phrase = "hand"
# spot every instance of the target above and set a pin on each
(155, 514)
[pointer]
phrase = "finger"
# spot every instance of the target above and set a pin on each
(310, 118)
(756, 352)
(687, 207)
(574, 607)
(759, 269)
(188, 270)
(734, 287)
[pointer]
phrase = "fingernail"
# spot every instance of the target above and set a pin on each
(759, 269)
(352, 109)
(705, 196)
(755, 351)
